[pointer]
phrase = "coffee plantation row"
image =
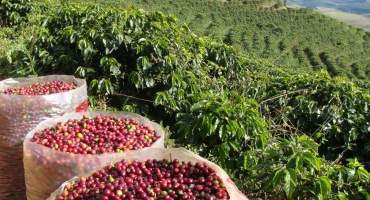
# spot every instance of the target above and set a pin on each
(276, 132)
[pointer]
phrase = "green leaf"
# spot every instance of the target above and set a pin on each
(86, 48)
(323, 186)
(312, 160)
(145, 62)
(73, 37)
(119, 38)
(350, 174)
(365, 194)
(176, 80)
(170, 61)
(292, 162)
(222, 132)
(105, 41)
(161, 98)
(243, 161)
(235, 145)
(149, 82)
(81, 71)
(89, 70)
(185, 27)
(342, 196)
(206, 126)
(364, 107)
(188, 129)
(93, 84)
(309, 144)
(263, 165)
(114, 69)
(163, 44)
(299, 165)
(290, 182)
(135, 78)
(197, 106)
(180, 94)
(271, 153)
(82, 44)
(262, 140)
(284, 143)
(100, 85)
(128, 39)
(108, 87)
(277, 177)
(363, 173)
(223, 151)
(236, 96)
(215, 124)
(87, 53)
(228, 129)
(211, 126)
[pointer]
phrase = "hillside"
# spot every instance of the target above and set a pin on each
(295, 38)
(279, 132)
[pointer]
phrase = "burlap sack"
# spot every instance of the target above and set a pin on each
(163, 153)
(47, 169)
(21, 113)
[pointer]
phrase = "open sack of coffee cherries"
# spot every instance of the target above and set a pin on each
(76, 143)
(152, 173)
(24, 103)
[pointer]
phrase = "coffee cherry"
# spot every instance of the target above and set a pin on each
(51, 87)
(150, 186)
(88, 136)
(21, 109)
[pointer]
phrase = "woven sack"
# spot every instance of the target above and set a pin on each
(46, 169)
(21, 113)
(164, 153)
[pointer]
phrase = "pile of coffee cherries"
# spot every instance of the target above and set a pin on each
(152, 179)
(50, 87)
(21, 109)
(98, 135)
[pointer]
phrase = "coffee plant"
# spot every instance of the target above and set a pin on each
(333, 110)
(14, 12)
(286, 134)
